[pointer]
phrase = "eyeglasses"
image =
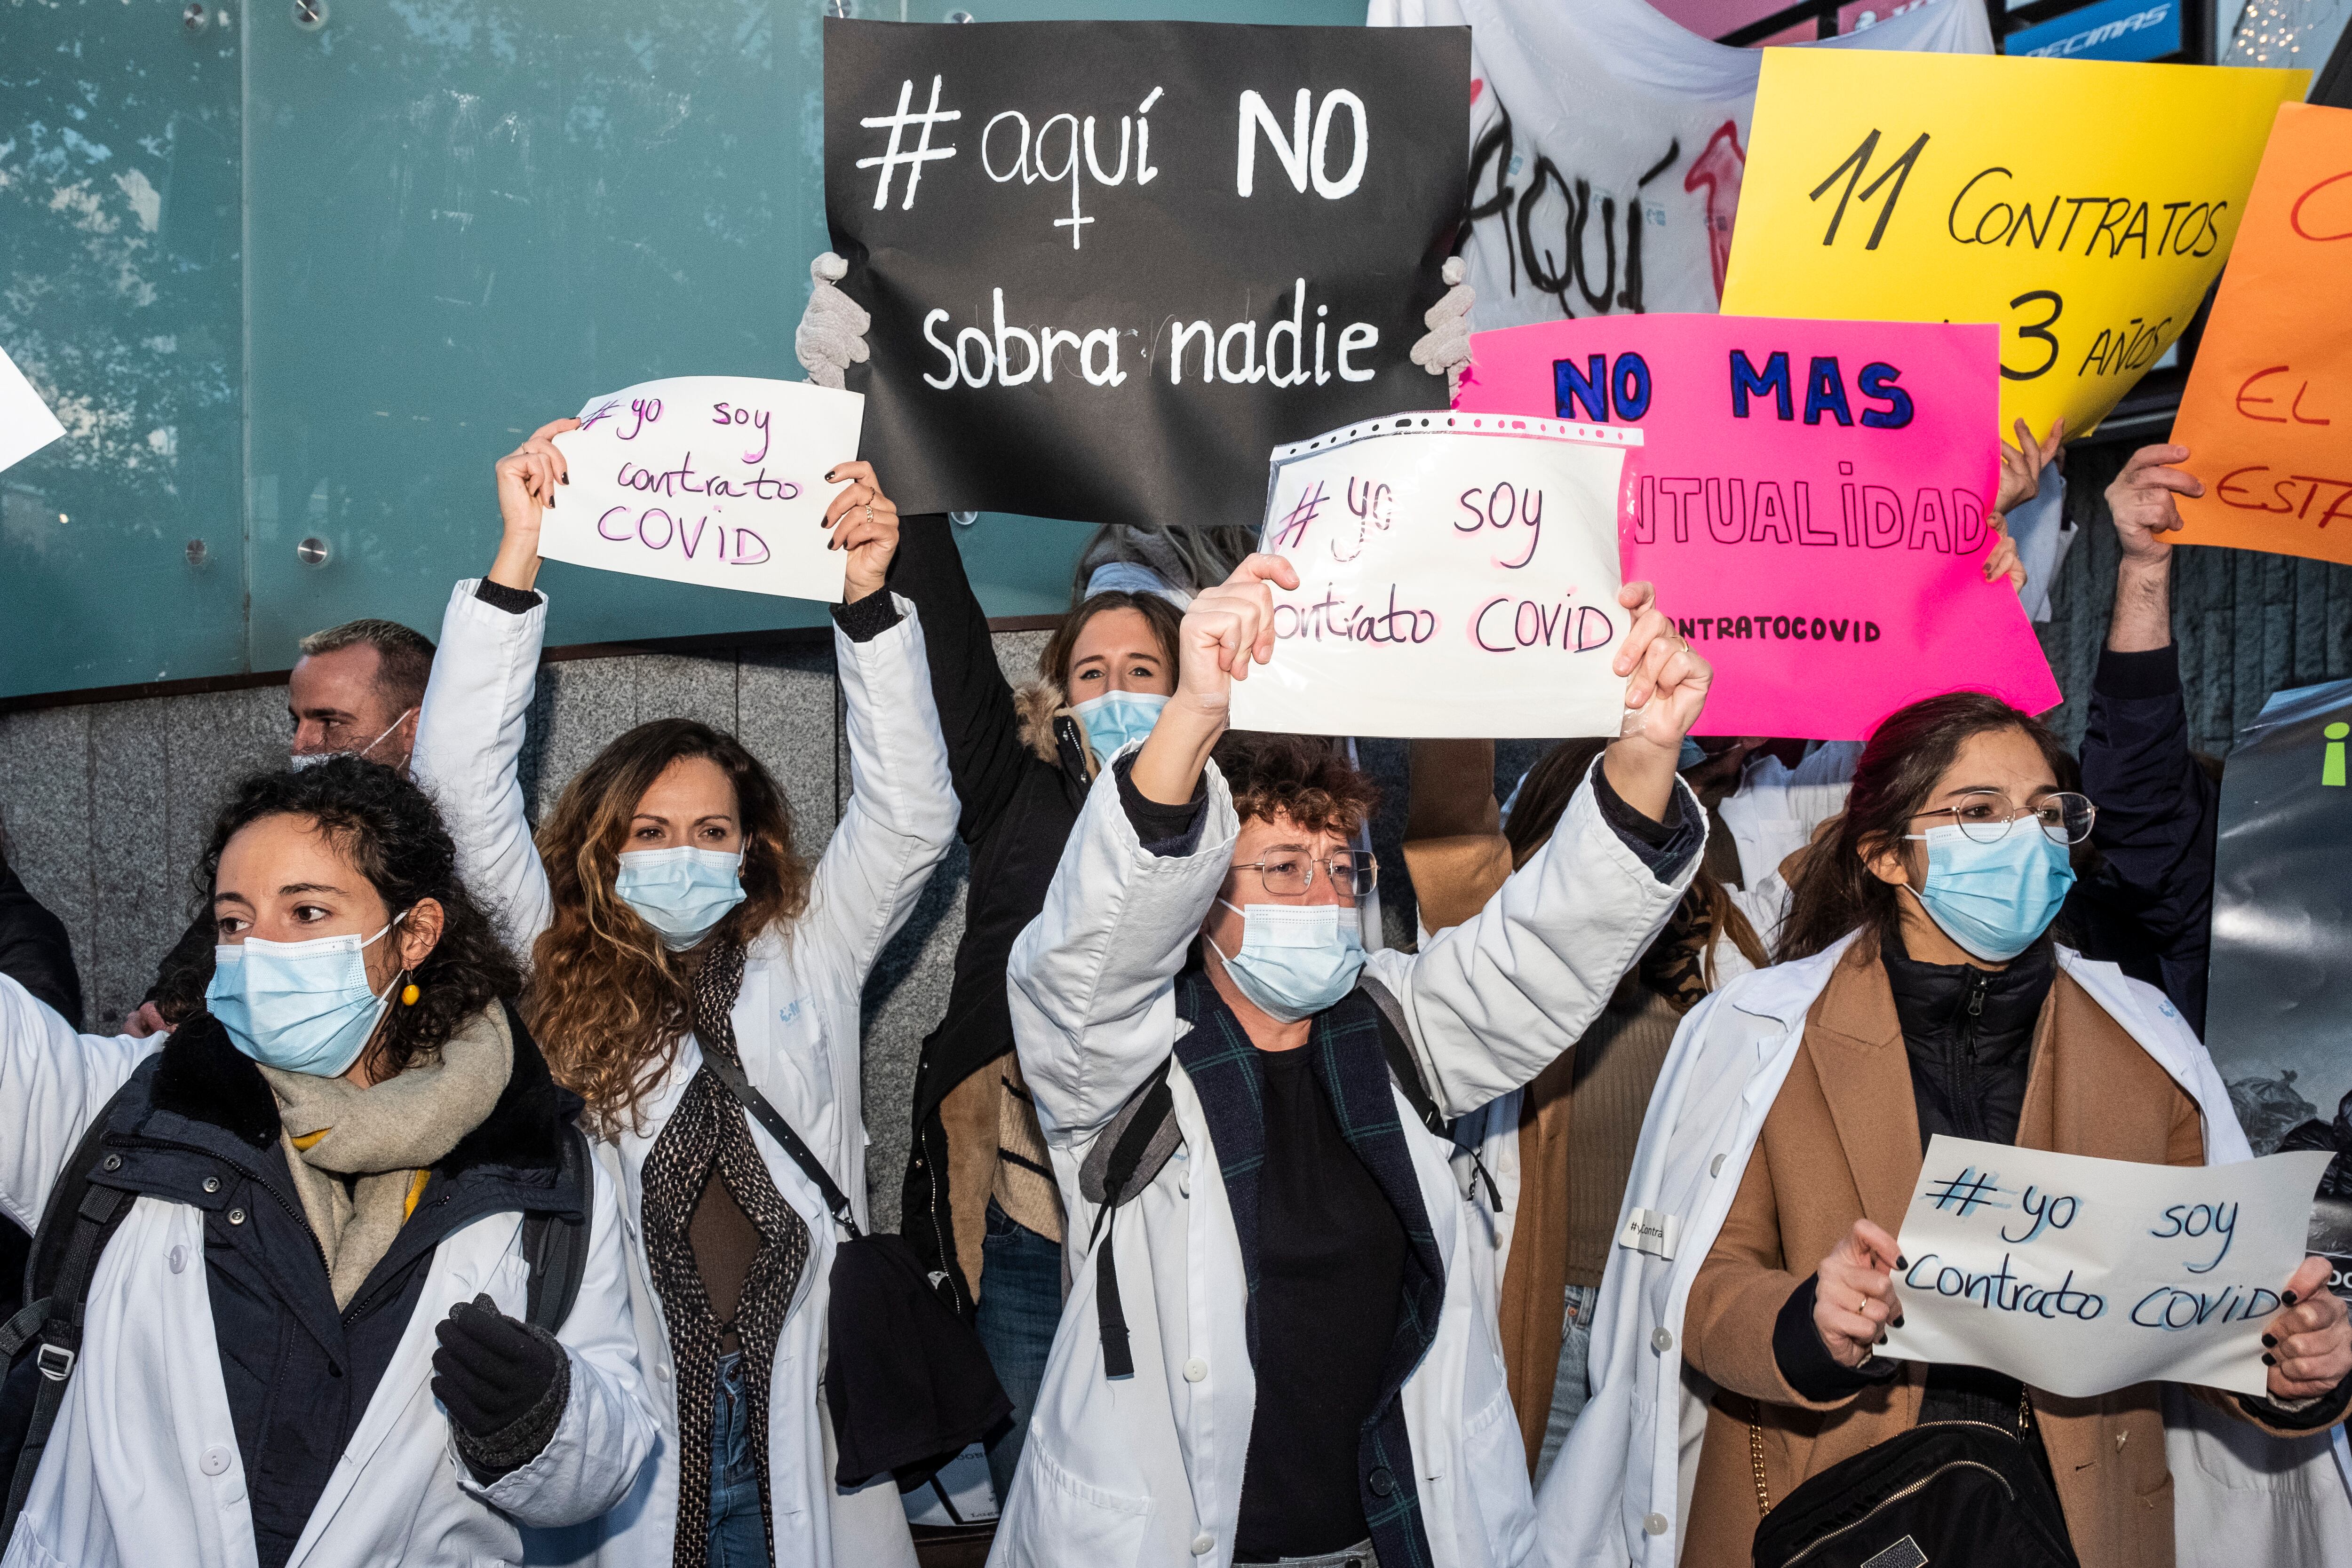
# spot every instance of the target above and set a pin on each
(2063, 817)
(1290, 874)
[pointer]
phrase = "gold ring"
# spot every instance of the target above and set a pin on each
(869, 514)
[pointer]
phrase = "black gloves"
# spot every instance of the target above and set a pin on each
(503, 1382)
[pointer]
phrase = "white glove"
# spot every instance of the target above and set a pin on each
(1446, 346)
(832, 334)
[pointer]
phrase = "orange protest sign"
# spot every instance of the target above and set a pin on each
(2267, 417)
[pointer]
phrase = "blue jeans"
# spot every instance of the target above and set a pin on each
(1020, 1307)
(737, 1537)
(1569, 1389)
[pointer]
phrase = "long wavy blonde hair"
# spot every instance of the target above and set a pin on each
(608, 1002)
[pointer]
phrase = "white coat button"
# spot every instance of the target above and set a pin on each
(1656, 1523)
(1204, 1544)
(1195, 1370)
(1661, 1340)
(178, 1259)
(214, 1461)
(1715, 1167)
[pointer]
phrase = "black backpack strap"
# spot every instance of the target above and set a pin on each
(555, 1245)
(1397, 1045)
(729, 1072)
(1153, 1105)
(55, 1319)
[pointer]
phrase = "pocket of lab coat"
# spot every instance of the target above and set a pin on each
(1056, 1519)
(1495, 1473)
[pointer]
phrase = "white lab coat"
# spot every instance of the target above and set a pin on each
(1625, 1480)
(142, 1467)
(1772, 816)
(796, 1025)
(1148, 1470)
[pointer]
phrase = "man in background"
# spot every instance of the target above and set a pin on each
(356, 690)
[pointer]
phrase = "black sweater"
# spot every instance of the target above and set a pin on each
(1018, 811)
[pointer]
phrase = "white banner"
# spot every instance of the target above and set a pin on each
(1606, 144)
(26, 422)
(713, 480)
(1458, 577)
(2082, 1276)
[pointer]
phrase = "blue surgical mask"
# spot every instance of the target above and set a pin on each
(681, 893)
(1115, 718)
(1296, 959)
(304, 1007)
(1692, 755)
(1994, 899)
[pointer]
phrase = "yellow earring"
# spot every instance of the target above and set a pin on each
(408, 994)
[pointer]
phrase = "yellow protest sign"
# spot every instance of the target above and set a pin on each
(2082, 206)
(2267, 417)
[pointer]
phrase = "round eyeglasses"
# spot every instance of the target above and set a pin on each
(2063, 817)
(1288, 874)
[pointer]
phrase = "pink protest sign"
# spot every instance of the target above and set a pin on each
(1812, 499)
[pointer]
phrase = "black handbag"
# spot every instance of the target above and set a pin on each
(1945, 1493)
(907, 1380)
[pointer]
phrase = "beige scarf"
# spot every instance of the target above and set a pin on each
(388, 1137)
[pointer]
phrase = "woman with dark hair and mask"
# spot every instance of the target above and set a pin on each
(1920, 991)
(679, 938)
(309, 1193)
(1279, 1343)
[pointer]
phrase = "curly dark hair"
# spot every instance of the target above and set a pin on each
(389, 830)
(1305, 778)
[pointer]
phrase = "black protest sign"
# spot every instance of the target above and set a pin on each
(2278, 1014)
(1113, 264)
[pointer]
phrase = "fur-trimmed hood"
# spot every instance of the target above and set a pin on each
(1052, 730)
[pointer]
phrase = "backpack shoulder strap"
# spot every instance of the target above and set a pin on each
(555, 1245)
(1128, 1153)
(1397, 1045)
(79, 1218)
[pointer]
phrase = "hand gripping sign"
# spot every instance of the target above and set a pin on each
(2084, 206)
(1111, 265)
(1810, 497)
(2081, 1276)
(1457, 578)
(714, 480)
(2267, 417)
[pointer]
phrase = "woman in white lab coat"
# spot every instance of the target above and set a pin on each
(670, 917)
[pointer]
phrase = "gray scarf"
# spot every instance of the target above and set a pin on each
(388, 1137)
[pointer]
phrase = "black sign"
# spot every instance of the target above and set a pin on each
(2279, 1013)
(1113, 264)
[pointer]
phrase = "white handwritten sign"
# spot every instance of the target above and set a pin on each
(2081, 1276)
(1457, 577)
(714, 480)
(26, 422)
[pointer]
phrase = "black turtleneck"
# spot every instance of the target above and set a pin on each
(1969, 1035)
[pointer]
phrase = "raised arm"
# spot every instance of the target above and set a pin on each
(2157, 811)
(977, 717)
(1093, 1008)
(470, 732)
(53, 1084)
(901, 815)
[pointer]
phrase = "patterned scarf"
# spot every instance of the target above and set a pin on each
(705, 1139)
(1353, 1073)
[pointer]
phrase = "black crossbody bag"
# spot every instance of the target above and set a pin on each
(1946, 1493)
(907, 1380)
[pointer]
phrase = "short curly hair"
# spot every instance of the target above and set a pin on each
(388, 829)
(1307, 778)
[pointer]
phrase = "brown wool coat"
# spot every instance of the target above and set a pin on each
(1841, 1141)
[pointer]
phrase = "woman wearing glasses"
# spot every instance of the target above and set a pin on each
(1279, 1342)
(1920, 991)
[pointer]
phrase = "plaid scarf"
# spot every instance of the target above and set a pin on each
(706, 1140)
(1353, 1071)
